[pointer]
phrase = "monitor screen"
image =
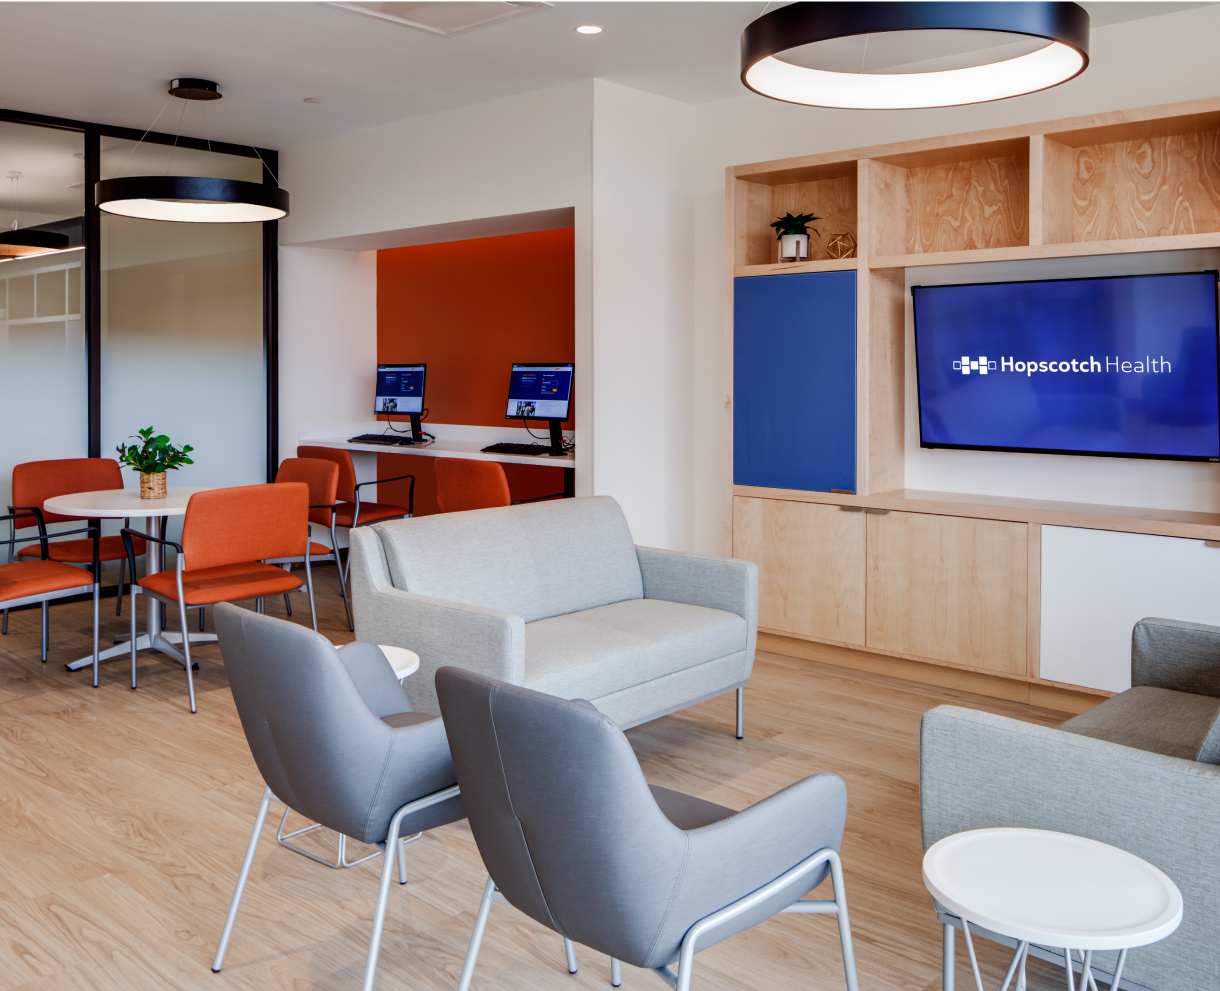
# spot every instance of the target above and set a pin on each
(539, 392)
(1122, 367)
(400, 389)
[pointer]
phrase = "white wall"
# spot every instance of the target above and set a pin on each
(328, 338)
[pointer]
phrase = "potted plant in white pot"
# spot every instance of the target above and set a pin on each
(792, 232)
(152, 458)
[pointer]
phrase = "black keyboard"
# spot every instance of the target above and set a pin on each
(509, 448)
(395, 440)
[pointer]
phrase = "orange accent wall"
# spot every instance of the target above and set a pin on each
(469, 309)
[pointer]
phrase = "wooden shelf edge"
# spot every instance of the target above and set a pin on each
(790, 268)
(1125, 519)
(1075, 249)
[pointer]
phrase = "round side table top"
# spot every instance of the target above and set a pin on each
(404, 662)
(1052, 888)
(120, 503)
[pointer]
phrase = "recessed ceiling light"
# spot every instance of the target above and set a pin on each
(313, 99)
(588, 29)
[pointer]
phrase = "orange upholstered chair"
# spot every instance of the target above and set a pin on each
(322, 477)
(32, 582)
(462, 484)
(227, 536)
(36, 481)
(351, 512)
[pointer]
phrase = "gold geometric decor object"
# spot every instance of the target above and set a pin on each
(840, 245)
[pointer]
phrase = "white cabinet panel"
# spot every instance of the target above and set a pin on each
(1097, 584)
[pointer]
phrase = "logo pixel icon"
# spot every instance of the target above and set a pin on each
(979, 364)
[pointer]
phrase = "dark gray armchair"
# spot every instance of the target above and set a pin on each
(335, 739)
(574, 837)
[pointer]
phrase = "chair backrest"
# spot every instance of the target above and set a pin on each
(247, 523)
(317, 743)
(537, 560)
(1173, 654)
(563, 818)
(36, 481)
(346, 490)
(321, 476)
(462, 484)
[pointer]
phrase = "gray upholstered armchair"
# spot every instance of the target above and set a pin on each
(335, 739)
(574, 837)
(1138, 771)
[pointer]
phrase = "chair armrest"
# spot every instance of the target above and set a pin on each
(127, 533)
(1183, 657)
(441, 632)
(396, 478)
(978, 770)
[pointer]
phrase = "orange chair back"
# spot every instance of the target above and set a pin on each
(322, 477)
(36, 481)
(463, 484)
(347, 471)
(248, 523)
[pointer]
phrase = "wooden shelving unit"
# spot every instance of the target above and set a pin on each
(1111, 184)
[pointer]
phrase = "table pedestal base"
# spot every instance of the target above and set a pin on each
(167, 643)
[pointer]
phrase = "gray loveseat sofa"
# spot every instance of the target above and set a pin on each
(555, 596)
(1140, 771)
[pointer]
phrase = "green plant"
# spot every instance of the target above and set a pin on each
(155, 453)
(788, 224)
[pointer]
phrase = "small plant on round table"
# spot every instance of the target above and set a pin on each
(792, 233)
(152, 458)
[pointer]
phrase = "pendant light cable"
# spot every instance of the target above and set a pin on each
(136, 147)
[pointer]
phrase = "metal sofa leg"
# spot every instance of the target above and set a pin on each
(741, 699)
(616, 973)
(569, 950)
(476, 936)
(242, 878)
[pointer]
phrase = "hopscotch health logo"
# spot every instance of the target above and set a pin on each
(1091, 366)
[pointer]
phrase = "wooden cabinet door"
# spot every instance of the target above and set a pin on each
(810, 566)
(948, 588)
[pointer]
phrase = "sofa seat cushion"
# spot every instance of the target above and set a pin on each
(1176, 724)
(603, 650)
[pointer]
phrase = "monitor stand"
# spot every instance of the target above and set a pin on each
(417, 431)
(556, 450)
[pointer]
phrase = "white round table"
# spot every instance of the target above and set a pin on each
(111, 504)
(404, 662)
(1051, 889)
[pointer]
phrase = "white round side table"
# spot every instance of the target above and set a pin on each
(1051, 889)
(404, 662)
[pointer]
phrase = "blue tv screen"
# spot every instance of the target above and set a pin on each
(1122, 367)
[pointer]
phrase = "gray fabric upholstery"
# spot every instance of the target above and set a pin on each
(978, 770)
(1183, 657)
(531, 561)
(641, 632)
(333, 738)
(1176, 724)
(599, 651)
(573, 836)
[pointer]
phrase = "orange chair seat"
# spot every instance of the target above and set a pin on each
(81, 551)
(370, 512)
(37, 577)
(224, 583)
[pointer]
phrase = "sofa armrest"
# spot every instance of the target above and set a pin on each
(487, 641)
(714, 582)
(1180, 656)
(978, 770)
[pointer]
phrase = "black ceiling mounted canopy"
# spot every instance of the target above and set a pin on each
(1064, 26)
(193, 199)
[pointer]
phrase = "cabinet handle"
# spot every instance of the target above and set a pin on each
(851, 509)
(875, 511)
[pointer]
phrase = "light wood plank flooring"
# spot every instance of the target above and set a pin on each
(123, 819)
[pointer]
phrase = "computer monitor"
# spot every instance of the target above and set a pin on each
(539, 391)
(400, 392)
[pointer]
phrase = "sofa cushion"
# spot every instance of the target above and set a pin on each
(1176, 724)
(606, 649)
(533, 561)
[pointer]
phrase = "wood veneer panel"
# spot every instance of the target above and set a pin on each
(950, 588)
(810, 566)
(965, 206)
(1148, 187)
(886, 339)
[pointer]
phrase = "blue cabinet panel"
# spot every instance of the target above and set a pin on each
(794, 381)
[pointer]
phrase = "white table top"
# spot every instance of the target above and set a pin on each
(468, 449)
(1052, 888)
(119, 503)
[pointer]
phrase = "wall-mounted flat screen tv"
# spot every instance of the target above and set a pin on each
(1122, 367)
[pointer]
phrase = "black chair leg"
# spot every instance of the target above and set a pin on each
(118, 609)
(201, 612)
(287, 604)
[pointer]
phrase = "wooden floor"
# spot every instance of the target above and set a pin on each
(123, 819)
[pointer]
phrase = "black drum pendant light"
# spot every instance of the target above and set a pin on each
(1064, 27)
(192, 199)
(17, 243)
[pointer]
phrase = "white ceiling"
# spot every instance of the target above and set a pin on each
(109, 62)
